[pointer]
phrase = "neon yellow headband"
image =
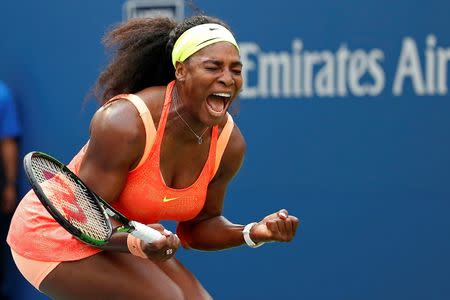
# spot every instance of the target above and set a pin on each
(198, 37)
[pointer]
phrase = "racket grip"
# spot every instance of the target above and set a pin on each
(145, 233)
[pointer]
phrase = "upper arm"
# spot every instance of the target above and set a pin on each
(116, 144)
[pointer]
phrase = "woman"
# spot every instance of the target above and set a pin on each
(165, 148)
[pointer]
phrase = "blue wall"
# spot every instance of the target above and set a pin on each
(363, 163)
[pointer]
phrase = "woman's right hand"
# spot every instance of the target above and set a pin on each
(164, 248)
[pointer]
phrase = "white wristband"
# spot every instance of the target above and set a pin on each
(247, 239)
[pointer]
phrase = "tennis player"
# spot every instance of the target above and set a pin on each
(162, 147)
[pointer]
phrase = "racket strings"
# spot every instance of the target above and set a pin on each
(71, 199)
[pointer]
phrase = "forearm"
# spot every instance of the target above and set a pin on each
(117, 243)
(214, 233)
(9, 152)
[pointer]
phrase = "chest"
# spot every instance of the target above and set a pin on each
(180, 164)
(148, 199)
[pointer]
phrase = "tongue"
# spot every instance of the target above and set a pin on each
(216, 103)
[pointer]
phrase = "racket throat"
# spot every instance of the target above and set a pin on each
(109, 212)
(125, 229)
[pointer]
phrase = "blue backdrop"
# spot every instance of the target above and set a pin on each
(346, 116)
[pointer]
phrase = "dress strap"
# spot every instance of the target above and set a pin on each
(222, 142)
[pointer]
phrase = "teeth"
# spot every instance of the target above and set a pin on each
(222, 95)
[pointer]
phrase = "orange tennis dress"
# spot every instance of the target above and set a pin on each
(35, 235)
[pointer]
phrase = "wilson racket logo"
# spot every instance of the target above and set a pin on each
(63, 197)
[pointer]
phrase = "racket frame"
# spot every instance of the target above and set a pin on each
(137, 229)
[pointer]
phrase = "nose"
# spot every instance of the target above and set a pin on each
(226, 78)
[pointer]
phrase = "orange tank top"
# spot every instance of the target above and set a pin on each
(145, 198)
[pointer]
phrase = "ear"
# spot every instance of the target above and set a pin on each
(180, 71)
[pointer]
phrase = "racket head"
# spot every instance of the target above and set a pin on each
(68, 200)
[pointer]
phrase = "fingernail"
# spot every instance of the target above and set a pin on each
(167, 232)
(284, 215)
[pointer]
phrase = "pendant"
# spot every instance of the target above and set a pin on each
(200, 140)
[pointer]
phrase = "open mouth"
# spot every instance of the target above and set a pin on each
(218, 103)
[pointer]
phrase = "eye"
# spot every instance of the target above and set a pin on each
(211, 68)
(237, 71)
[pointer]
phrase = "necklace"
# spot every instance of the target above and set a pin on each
(199, 137)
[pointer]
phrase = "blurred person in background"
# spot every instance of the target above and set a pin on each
(9, 134)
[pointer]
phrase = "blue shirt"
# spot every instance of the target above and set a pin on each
(9, 123)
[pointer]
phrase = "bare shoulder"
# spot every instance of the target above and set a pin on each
(119, 118)
(117, 133)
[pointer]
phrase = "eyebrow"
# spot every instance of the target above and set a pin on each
(218, 62)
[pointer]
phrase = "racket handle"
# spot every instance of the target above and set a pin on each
(145, 233)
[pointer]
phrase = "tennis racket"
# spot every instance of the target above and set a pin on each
(74, 206)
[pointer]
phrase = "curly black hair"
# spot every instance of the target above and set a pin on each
(141, 51)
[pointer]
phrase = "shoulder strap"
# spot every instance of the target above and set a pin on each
(144, 113)
(222, 142)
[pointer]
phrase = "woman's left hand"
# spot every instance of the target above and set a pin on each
(164, 248)
(279, 226)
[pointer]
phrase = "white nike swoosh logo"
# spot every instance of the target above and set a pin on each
(168, 199)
